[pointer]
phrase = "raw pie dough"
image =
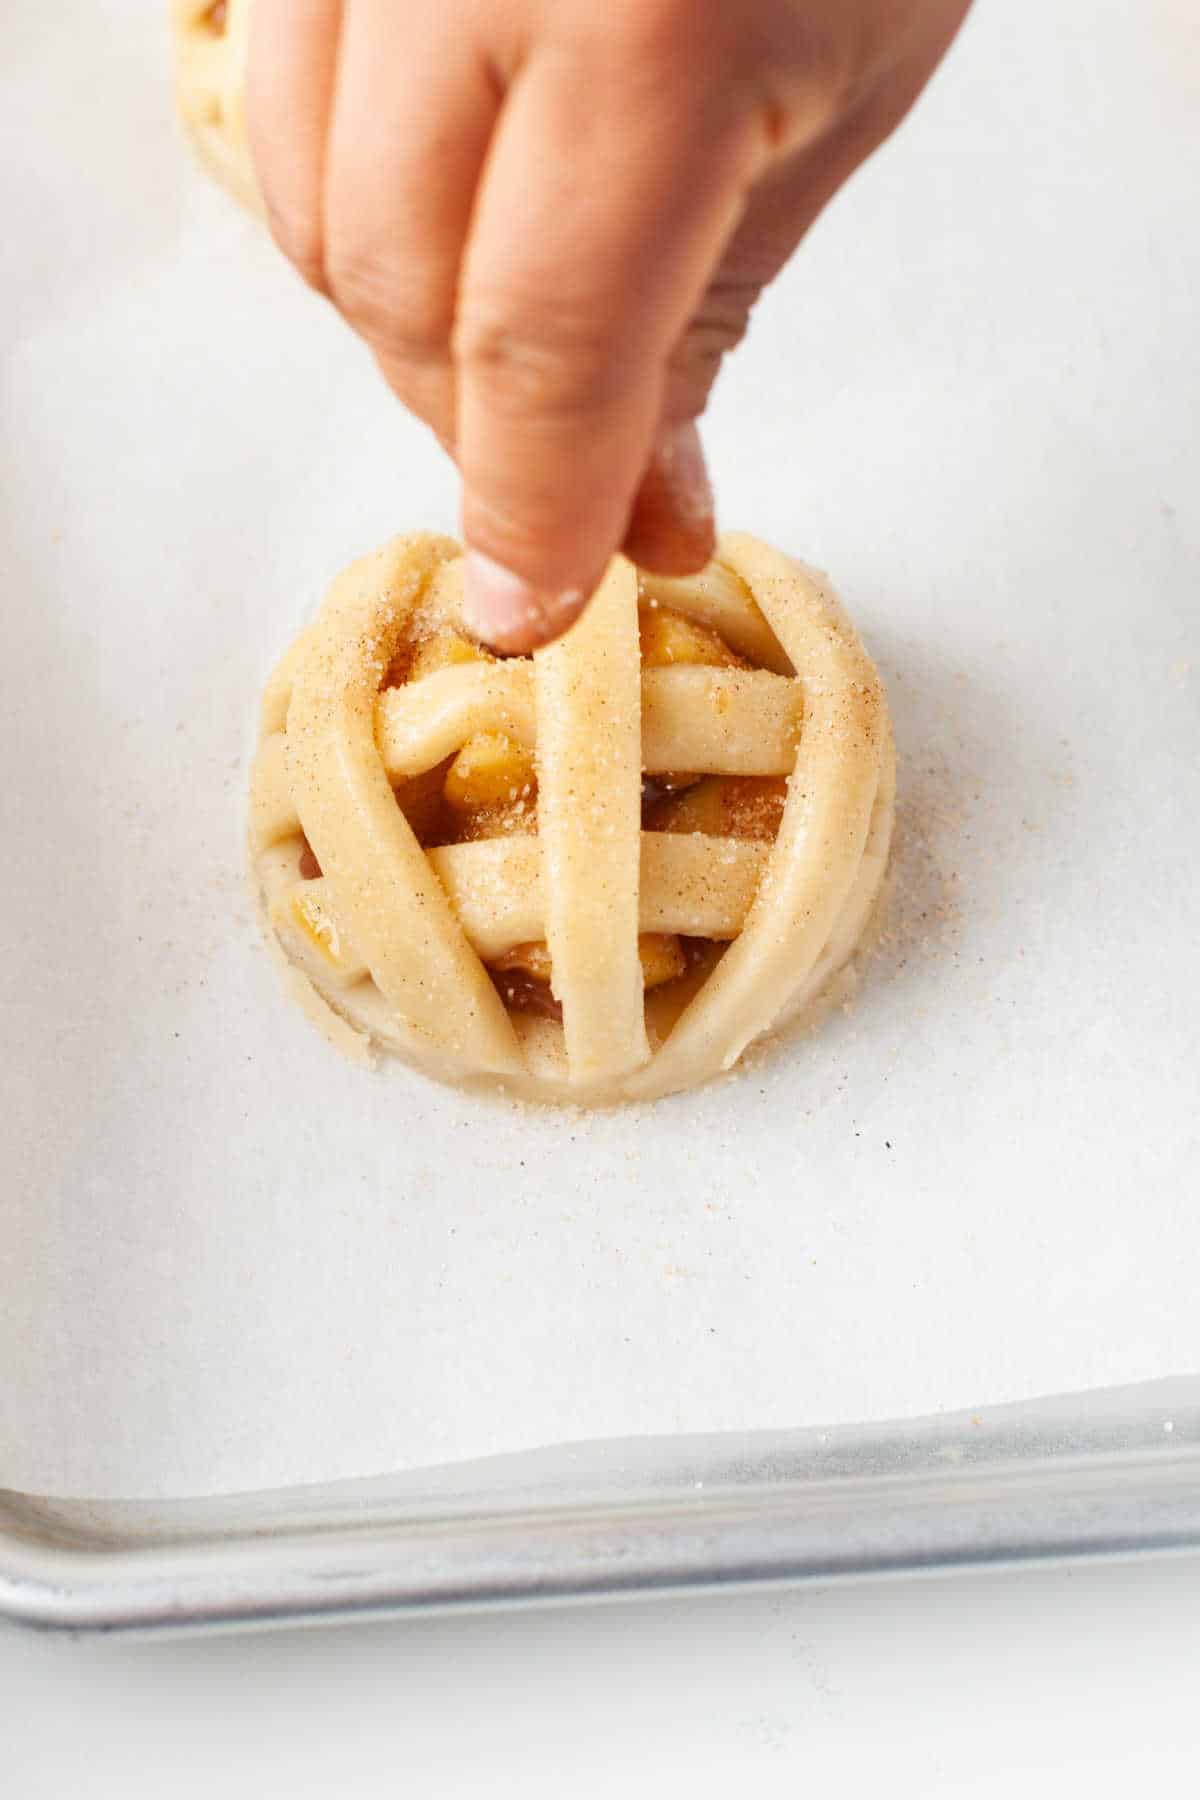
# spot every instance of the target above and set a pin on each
(594, 874)
(211, 39)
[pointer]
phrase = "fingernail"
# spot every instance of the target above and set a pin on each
(509, 613)
(680, 457)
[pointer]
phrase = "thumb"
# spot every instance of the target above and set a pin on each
(602, 214)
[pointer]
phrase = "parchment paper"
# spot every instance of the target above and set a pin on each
(227, 1257)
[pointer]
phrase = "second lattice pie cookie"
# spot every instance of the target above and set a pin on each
(211, 44)
(591, 875)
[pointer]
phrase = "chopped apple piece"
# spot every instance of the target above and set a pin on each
(662, 958)
(491, 770)
(739, 806)
(442, 650)
(669, 637)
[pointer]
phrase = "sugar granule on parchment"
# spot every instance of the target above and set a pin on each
(921, 904)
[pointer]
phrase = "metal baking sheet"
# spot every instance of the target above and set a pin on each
(1112, 1473)
(231, 1262)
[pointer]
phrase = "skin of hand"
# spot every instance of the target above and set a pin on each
(550, 219)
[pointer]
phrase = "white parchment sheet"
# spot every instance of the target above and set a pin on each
(228, 1258)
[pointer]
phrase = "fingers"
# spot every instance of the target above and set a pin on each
(370, 125)
(667, 530)
(672, 527)
(405, 155)
(538, 284)
(785, 203)
(604, 207)
(289, 95)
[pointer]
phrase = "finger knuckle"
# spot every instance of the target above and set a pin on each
(540, 536)
(379, 303)
(716, 329)
(720, 323)
(299, 237)
(537, 366)
(804, 86)
(695, 365)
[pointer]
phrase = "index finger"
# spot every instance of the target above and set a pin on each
(605, 205)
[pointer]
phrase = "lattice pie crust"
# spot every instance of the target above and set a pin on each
(594, 874)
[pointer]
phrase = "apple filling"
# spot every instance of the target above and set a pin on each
(489, 788)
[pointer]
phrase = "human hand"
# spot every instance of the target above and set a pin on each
(550, 219)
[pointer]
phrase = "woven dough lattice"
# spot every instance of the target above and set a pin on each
(592, 874)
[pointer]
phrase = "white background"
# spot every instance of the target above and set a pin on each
(1044, 198)
(1047, 1684)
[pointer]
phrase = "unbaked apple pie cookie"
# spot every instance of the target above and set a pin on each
(593, 874)
(211, 41)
